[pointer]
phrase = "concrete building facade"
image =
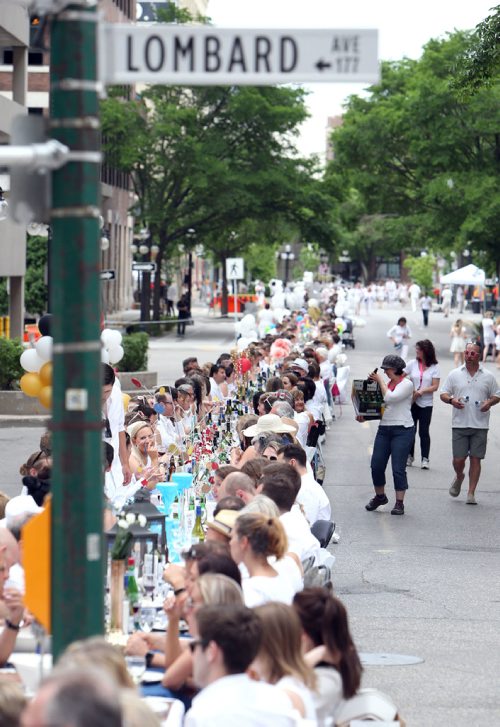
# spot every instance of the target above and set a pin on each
(14, 34)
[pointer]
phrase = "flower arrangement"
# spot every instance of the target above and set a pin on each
(124, 536)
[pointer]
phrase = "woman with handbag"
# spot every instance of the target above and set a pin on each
(395, 433)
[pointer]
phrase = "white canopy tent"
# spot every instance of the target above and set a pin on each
(468, 275)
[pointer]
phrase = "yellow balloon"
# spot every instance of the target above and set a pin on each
(45, 397)
(30, 384)
(126, 400)
(45, 374)
(161, 390)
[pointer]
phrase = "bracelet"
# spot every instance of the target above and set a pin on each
(11, 626)
(177, 591)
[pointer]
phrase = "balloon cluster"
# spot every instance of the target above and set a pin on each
(112, 350)
(37, 362)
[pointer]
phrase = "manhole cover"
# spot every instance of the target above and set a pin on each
(389, 659)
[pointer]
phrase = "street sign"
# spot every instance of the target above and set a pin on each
(144, 267)
(204, 55)
(108, 275)
(235, 268)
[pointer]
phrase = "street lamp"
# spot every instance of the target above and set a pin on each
(188, 280)
(287, 255)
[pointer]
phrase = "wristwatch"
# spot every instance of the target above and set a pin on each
(450, 399)
(149, 659)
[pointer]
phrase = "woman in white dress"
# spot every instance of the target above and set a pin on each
(280, 660)
(488, 334)
(457, 347)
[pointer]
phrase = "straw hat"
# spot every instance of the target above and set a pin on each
(223, 522)
(268, 423)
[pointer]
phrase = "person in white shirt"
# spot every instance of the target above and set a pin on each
(282, 483)
(446, 296)
(471, 391)
(229, 639)
(423, 371)
(280, 660)
(394, 435)
(312, 496)
(414, 291)
(425, 303)
(399, 335)
(256, 537)
(217, 377)
(114, 432)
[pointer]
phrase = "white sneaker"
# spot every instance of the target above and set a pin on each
(425, 463)
(409, 461)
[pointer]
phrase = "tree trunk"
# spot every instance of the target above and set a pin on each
(157, 288)
(146, 297)
(224, 295)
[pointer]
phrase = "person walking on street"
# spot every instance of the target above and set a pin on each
(423, 372)
(183, 315)
(395, 433)
(457, 347)
(471, 391)
(425, 306)
(446, 297)
(399, 335)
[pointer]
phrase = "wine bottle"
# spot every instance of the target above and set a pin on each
(197, 533)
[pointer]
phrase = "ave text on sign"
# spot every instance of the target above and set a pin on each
(213, 56)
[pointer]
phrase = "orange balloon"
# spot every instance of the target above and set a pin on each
(45, 374)
(30, 384)
(45, 397)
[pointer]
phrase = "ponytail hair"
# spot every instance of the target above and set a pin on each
(266, 535)
(324, 619)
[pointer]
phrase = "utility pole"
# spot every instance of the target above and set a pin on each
(77, 542)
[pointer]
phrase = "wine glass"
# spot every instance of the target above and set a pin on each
(136, 666)
(147, 618)
(149, 584)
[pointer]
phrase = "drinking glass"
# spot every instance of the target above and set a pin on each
(136, 666)
(149, 584)
(147, 618)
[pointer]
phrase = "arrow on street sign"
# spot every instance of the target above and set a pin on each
(144, 267)
(108, 275)
(204, 55)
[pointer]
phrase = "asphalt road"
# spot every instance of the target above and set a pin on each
(425, 585)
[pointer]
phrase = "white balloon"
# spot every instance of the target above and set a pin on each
(43, 347)
(111, 338)
(115, 354)
(104, 356)
(31, 361)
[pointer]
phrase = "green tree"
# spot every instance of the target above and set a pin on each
(421, 270)
(479, 65)
(35, 288)
(418, 163)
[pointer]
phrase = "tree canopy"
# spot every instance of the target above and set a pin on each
(418, 163)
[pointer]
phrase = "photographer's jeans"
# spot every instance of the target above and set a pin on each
(392, 442)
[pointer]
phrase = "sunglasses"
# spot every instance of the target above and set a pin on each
(273, 458)
(197, 642)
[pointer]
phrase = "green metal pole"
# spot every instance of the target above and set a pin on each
(77, 542)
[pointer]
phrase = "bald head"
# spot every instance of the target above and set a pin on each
(238, 484)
